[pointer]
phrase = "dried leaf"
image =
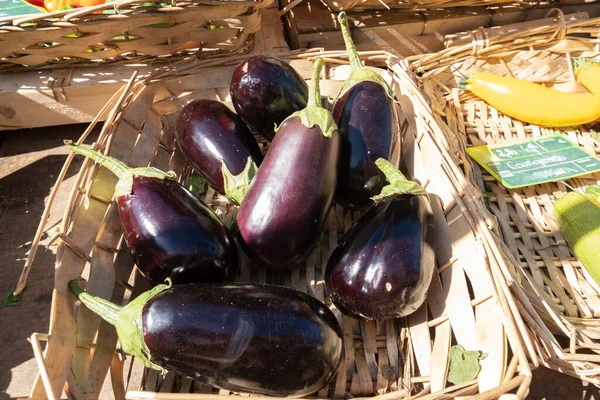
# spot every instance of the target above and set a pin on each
(10, 300)
(196, 184)
(464, 365)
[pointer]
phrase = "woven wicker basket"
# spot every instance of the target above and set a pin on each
(133, 31)
(558, 302)
(359, 5)
(391, 359)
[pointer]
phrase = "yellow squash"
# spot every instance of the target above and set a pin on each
(587, 71)
(533, 103)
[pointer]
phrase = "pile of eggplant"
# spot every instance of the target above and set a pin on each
(268, 339)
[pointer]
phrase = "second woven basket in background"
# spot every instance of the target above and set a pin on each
(558, 303)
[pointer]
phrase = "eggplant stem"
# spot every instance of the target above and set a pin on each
(119, 168)
(353, 57)
(105, 309)
(314, 94)
(399, 184)
(236, 186)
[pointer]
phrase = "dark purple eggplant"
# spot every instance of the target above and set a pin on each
(383, 265)
(219, 146)
(364, 114)
(169, 231)
(263, 339)
(284, 211)
(265, 91)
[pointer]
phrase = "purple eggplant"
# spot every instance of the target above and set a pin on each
(169, 231)
(266, 90)
(384, 264)
(286, 207)
(219, 146)
(263, 339)
(364, 114)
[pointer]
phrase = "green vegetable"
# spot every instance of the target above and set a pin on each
(578, 216)
(160, 25)
(464, 365)
(594, 191)
(123, 38)
(197, 184)
(10, 300)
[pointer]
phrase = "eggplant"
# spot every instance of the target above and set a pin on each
(285, 209)
(265, 90)
(264, 339)
(383, 265)
(364, 114)
(219, 146)
(169, 231)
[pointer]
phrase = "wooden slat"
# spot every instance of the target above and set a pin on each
(101, 283)
(63, 334)
(33, 99)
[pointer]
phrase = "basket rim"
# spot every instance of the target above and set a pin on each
(68, 15)
(483, 46)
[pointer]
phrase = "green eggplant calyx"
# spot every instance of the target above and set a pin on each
(363, 75)
(583, 62)
(120, 169)
(312, 116)
(130, 329)
(236, 186)
(359, 73)
(127, 320)
(314, 113)
(398, 184)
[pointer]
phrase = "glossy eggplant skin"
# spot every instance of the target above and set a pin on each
(281, 218)
(266, 90)
(263, 339)
(364, 116)
(207, 133)
(171, 233)
(384, 264)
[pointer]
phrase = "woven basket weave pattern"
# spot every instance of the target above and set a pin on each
(359, 5)
(557, 297)
(399, 357)
(135, 33)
